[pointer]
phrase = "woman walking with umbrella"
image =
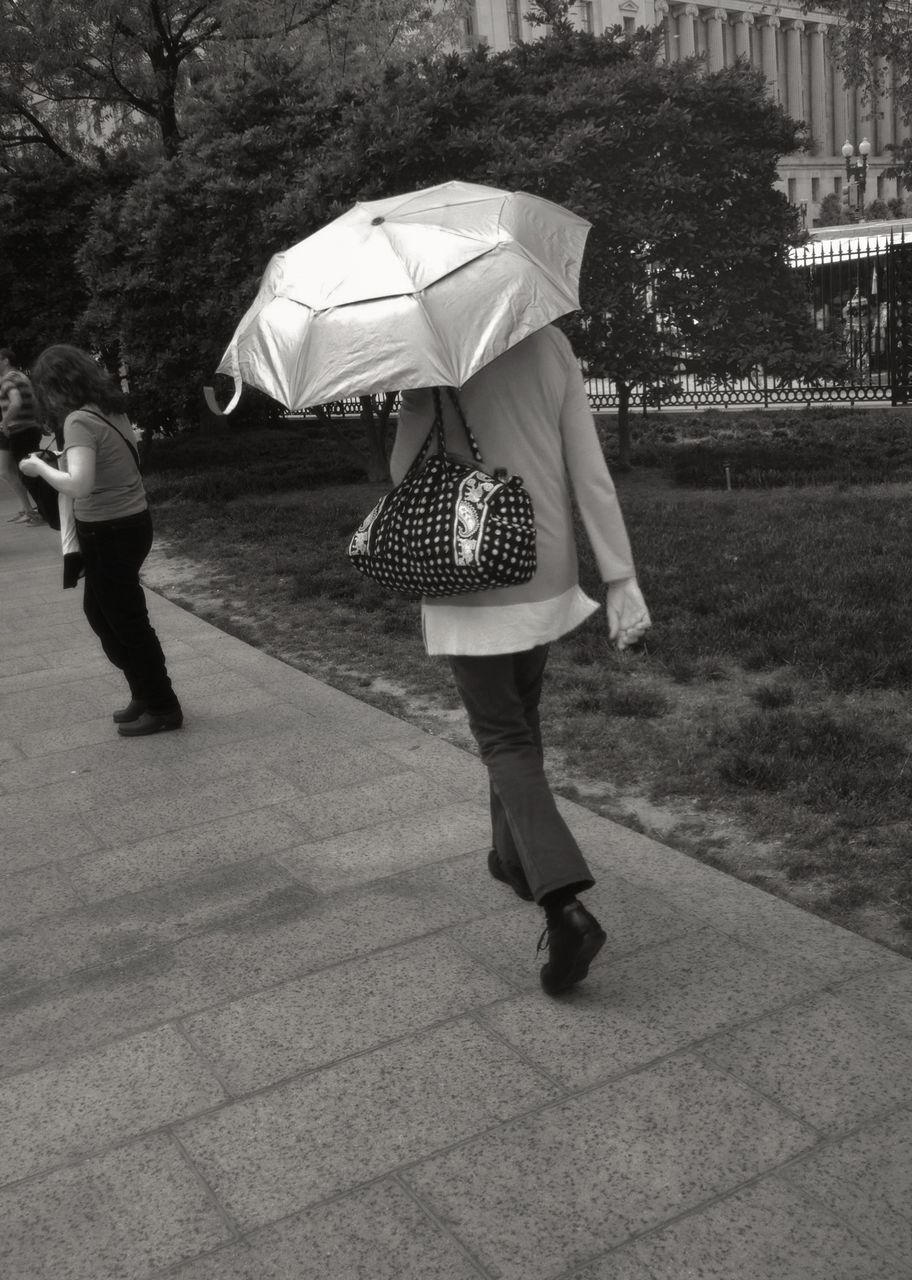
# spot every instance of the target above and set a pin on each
(457, 285)
(529, 413)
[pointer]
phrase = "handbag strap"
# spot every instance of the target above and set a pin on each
(473, 443)
(437, 428)
(131, 447)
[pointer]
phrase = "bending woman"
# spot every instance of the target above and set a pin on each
(529, 412)
(113, 526)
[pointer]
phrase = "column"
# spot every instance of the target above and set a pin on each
(743, 24)
(794, 104)
(660, 9)
(885, 126)
(818, 118)
(716, 39)
(687, 36)
(770, 63)
(841, 125)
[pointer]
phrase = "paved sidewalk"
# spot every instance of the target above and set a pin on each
(265, 1016)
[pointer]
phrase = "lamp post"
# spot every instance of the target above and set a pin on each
(857, 169)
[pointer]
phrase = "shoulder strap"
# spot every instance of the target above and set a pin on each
(437, 429)
(473, 443)
(128, 443)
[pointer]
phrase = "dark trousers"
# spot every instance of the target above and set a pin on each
(115, 605)
(501, 694)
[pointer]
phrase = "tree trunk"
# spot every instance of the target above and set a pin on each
(375, 430)
(623, 459)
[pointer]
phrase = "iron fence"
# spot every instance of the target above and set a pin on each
(859, 289)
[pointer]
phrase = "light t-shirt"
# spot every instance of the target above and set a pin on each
(118, 489)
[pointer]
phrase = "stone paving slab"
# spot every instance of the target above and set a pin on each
(295, 1027)
(543, 1193)
(267, 1017)
(188, 852)
(885, 991)
(379, 1232)
(348, 1123)
(117, 928)
(95, 1100)
(134, 1211)
(753, 1235)
(40, 891)
(826, 1060)
(369, 853)
(866, 1178)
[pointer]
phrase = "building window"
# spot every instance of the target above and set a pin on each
(837, 186)
(585, 16)
(793, 190)
(514, 28)
(629, 25)
(815, 189)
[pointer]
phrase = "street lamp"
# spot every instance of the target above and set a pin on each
(857, 169)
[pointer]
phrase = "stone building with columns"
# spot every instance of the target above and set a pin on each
(792, 49)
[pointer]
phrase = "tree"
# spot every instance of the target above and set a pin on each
(45, 206)
(78, 71)
(76, 75)
(834, 212)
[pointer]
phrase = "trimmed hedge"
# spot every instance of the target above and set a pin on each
(829, 445)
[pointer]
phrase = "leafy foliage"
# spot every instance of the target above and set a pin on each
(45, 206)
(78, 76)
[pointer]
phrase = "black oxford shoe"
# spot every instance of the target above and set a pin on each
(574, 939)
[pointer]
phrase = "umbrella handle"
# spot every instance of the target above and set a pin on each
(213, 404)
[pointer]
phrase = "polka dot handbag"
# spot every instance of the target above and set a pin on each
(448, 526)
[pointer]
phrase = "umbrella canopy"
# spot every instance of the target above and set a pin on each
(412, 291)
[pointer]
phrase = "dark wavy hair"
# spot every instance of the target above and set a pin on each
(65, 378)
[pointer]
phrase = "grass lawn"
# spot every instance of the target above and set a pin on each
(766, 727)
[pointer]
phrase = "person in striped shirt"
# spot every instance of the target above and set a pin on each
(20, 432)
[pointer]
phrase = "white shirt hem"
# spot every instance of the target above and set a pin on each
(481, 630)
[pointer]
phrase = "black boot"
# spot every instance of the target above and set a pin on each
(152, 722)
(132, 711)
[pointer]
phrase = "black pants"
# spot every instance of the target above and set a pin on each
(115, 605)
(501, 694)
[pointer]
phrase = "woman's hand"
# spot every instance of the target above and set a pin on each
(77, 481)
(628, 617)
(30, 466)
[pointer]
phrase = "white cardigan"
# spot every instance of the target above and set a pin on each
(529, 412)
